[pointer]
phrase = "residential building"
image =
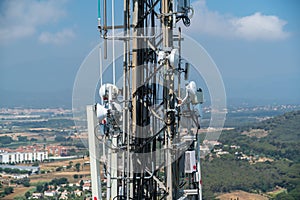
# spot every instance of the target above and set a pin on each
(22, 155)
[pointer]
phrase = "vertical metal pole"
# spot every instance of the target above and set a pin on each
(94, 152)
(113, 39)
(101, 69)
(105, 28)
(108, 170)
(167, 28)
(110, 158)
(179, 65)
(154, 120)
(136, 61)
(199, 167)
(139, 115)
(134, 80)
(134, 66)
(99, 15)
(114, 168)
(126, 132)
(114, 157)
(125, 103)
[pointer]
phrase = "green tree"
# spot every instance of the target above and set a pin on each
(77, 166)
(58, 169)
(27, 195)
(26, 182)
(22, 138)
(8, 190)
(45, 186)
(81, 184)
(40, 187)
(35, 164)
(33, 140)
(60, 138)
(6, 139)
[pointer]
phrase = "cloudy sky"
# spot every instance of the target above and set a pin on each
(254, 43)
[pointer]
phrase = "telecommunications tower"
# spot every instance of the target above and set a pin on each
(143, 136)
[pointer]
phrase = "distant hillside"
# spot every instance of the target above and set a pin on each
(279, 142)
(282, 140)
(284, 128)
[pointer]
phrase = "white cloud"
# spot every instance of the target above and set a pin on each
(254, 27)
(57, 38)
(20, 19)
(258, 26)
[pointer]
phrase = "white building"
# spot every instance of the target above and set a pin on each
(51, 193)
(17, 157)
(86, 187)
(37, 195)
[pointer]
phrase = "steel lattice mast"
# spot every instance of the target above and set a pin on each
(147, 155)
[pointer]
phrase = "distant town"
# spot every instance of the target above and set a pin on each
(41, 155)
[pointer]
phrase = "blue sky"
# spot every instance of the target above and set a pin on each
(255, 44)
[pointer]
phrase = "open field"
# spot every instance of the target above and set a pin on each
(64, 174)
(54, 165)
(258, 133)
(64, 162)
(15, 135)
(67, 173)
(241, 195)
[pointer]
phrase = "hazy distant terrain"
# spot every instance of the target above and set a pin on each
(36, 99)
(258, 152)
(261, 163)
